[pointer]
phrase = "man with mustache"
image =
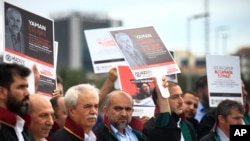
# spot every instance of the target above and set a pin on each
(118, 123)
(81, 102)
(117, 119)
(14, 102)
(42, 115)
(14, 38)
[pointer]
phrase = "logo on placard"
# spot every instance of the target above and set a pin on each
(147, 73)
(8, 57)
(14, 59)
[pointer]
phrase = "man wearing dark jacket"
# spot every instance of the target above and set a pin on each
(118, 123)
(186, 131)
(81, 102)
(209, 118)
(14, 103)
(229, 112)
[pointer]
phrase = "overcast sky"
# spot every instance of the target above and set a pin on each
(169, 17)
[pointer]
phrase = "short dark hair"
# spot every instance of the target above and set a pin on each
(59, 79)
(191, 92)
(200, 83)
(54, 103)
(8, 70)
(225, 107)
(154, 93)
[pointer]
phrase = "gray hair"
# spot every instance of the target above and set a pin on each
(10, 10)
(225, 107)
(71, 95)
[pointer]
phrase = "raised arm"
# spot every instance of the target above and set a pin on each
(108, 84)
(162, 102)
(36, 77)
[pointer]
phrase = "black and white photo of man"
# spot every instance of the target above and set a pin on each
(14, 38)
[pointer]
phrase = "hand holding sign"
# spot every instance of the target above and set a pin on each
(163, 87)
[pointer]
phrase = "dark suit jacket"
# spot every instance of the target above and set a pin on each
(103, 131)
(70, 132)
(162, 127)
(7, 124)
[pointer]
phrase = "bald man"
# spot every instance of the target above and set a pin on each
(42, 115)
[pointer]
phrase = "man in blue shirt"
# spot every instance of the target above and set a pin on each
(201, 89)
(118, 123)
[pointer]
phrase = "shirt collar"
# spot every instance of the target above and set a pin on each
(201, 108)
(19, 127)
(128, 129)
(222, 135)
(90, 137)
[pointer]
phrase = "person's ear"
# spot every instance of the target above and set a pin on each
(3, 93)
(71, 111)
(105, 110)
(221, 119)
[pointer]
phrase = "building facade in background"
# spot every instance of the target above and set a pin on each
(244, 54)
(69, 33)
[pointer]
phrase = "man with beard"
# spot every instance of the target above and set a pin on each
(117, 121)
(201, 89)
(131, 53)
(14, 38)
(14, 102)
(177, 120)
(81, 103)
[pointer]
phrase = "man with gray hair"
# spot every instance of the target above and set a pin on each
(132, 54)
(14, 38)
(81, 102)
(229, 112)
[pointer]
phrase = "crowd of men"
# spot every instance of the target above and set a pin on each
(86, 113)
